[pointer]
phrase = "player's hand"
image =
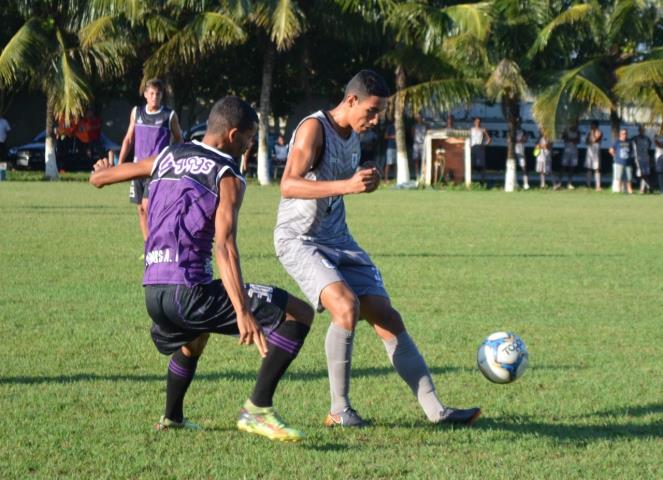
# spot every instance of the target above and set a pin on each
(375, 181)
(250, 333)
(101, 165)
(363, 180)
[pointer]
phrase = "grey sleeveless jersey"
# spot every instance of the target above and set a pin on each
(321, 220)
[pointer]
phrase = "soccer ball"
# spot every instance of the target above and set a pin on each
(502, 357)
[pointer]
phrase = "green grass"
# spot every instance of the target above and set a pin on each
(576, 274)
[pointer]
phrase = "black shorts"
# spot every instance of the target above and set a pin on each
(180, 314)
(478, 156)
(139, 189)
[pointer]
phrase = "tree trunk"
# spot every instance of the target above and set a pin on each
(511, 110)
(615, 122)
(51, 166)
(263, 127)
(402, 165)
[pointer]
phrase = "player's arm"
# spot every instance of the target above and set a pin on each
(128, 142)
(487, 137)
(301, 158)
(227, 258)
(106, 174)
(175, 129)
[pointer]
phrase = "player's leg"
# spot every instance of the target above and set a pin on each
(286, 321)
(408, 361)
(172, 336)
(284, 343)
(343, 307)
(181, 371)
(142, 216)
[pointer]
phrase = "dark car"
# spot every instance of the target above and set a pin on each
(197, 132)
(71, 154)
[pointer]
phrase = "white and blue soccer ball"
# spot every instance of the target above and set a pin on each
(502, 357)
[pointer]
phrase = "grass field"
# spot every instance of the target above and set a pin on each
(576, 274)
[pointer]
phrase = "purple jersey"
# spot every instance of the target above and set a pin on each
(184, 195)
(152, 132)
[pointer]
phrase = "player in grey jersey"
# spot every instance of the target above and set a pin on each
(316, 248)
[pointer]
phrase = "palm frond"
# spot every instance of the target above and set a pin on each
(106, 59)
(159, 27)
(472, 18)
(287, 23)
(204, 34)
(577, 91)
(627, 21)
(24, 52)
(578, 13)
(506, 80)
(133, 10)
(640, 83)
(66, 88)
(442, 93)
(96, 31)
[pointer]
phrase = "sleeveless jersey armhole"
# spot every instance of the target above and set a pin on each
(318, 159)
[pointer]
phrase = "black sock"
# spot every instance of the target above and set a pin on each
(181, 370)
(284, 344)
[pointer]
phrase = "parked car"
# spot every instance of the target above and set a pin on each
(71, 154)
(197, 132)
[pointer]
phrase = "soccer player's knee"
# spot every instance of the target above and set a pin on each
(346, 311)
(196, 348)
(299, 311)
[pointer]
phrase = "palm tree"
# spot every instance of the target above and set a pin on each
(420, 36)
(614, 59)
(59, 49)
(280, 22)
(520, 45)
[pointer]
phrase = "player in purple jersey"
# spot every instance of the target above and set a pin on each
(149, 132)
(196, 194)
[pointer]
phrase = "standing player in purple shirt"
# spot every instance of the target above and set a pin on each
(149, 132)
(196, 192)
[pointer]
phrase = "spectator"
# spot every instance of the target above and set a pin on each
(519, 150)
(658, 140)
(622, 153)
(543, 152)
(5, 128)
(390, 152)
(571, 138)
(279, 155)
(593, 156)
(479, 138)
(641, 147)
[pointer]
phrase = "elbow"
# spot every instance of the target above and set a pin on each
(286, 188)
(94, 181)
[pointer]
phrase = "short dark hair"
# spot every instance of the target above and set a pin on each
(155, 83)
(367, 83)
(231, 112)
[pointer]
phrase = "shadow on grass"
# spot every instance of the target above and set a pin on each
(235, 375)
(574, 432)
(563, 429)
(494, 255)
